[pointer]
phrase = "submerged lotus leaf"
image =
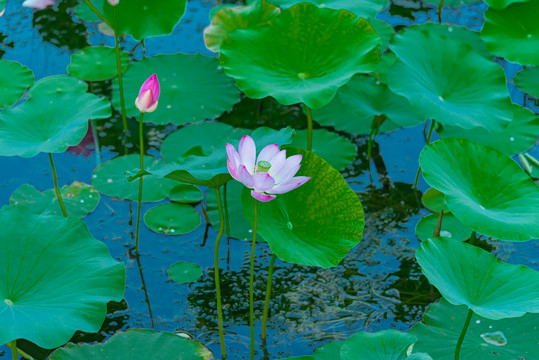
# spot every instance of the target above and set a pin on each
(110, 179)
(184, 272)
(517, 137)
(485, 189)
(434, 200)
(96, 63)
(315, 224)
(187, 194)
(527, 80)
(361, 8)
(79, 199)
(172, 219)
(15, 78)
(513, 33)
(468, 275)
(446, 80)
(193, 88)
(136, 344)
(513, 338)
(451, 228)
(228, 19)
(55, 278)
(303, 56)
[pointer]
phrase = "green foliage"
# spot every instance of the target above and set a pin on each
(527, 80)
(15, 78)
(451, 228)
(361, 8)
(96, 63)
(172, 219)
(184, 272)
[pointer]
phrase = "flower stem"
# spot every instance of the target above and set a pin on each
(463, 333)
(438, 225)
(216, 273)
(119, 66)
(227, 222)
(432, 124)
(13, 346)
(268, 295)
(309, 127)
(251, 287)
(101, 16)
(56, 188)
(139, 206)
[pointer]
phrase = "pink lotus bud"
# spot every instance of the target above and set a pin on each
(38, 4)
(148, 95)
(113, 2)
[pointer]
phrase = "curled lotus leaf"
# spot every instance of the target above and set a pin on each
(15, 78)
(527, 80)
(96, 63)
(361, 8)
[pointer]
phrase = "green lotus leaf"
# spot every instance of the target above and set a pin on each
(96, 63)
(386, 62)
(385, 31)
(83, 12)
(527, 80)
(434, 200)
(305, 357)
(361, 8)
(468, 275)
(55, 278)
(15, 78)
(517, 137)
(184, 272)
(335, 149)
(228, 19)
(452, 228)
(303, 56)
(485, 189)
(513, 33)
(381, 345)
(315, 224)
(172, 219)
(330, 351)
(187, 194)
(214, 10)
(56, 85)
(502, 4)
(79, 199)
(109, 178)
(360, 102)
(193, 88)
(530, 165)
(136, 344)
(513, 338)
(453, 3)
(446, 80)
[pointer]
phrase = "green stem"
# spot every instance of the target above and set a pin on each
(56, 188)
(119, 67)
(432, 124)
(139, 206)
(13, 346)
(268, 295)
(309, 127)
(438, 225)
(227, 222)
(251, 286)
(463, 333)
(23, 354)
(143, 43)
(216, 272)
(440, 7)
(101, 16)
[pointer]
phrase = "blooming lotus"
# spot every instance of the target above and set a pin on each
(148, 95)
(38, 4)
(270, 174)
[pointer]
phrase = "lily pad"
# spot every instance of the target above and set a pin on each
(315, 224)
(79, 199)
(57, 85)
(434, 200)
(527, 80)
(446, 80)
(136, 344)
(15, 78)
(381, 345)
(303, 56)
(452, 228)
(485, 189)
(193, 88)
(513, 33)
(172, 219)
(96, 63)
(361, 8)
(110, 179)
(55, 278)
(468, 275)
(184, 272)
(442, 324)
(187, 194)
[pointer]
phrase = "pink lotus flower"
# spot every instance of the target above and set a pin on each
(113, 2)
(272, 173)
(148, 95)
(38, 4)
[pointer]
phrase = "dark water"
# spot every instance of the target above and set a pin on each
(377, 286)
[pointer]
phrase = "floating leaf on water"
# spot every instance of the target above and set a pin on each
(527, 80)
(184, 272)
(386, 345)
(188, 194)
(451, 227)
(96, 63)
(361, 8)
(15, 78)
(330, 351)
(172, 219)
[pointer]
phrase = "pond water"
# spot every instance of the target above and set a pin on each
(377, 286)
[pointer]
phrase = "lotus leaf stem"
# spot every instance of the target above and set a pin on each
(145, 289)
(216, 273)
(432, 124)
(227, 222)
(251, 287)
(463, 333)
(438, 225)
(439, 12)
(268, 295)
(309, 127)
(13, 346)
(141, 145)
(56, 188)
(119, 66)
(98, 13)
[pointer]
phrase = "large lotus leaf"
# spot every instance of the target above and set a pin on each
(386, 62)
(49, 123)
(184, 272)
(485, 189)
(385, 31)
(56, 85)
(330, 351)
(517, 137)
(193, 88)
(361, 8)
(527, 80)
(446, 80)
(172, 219)
(451, 228)
(96, 63)
(228, 19)
(513, 33)
(79, 199)
(513, 338)
(109, 178)
(304, 56)
(136, 344)
(468, 275)
(502, 4)
(15, 78)
(315, 224)
(55, 278)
